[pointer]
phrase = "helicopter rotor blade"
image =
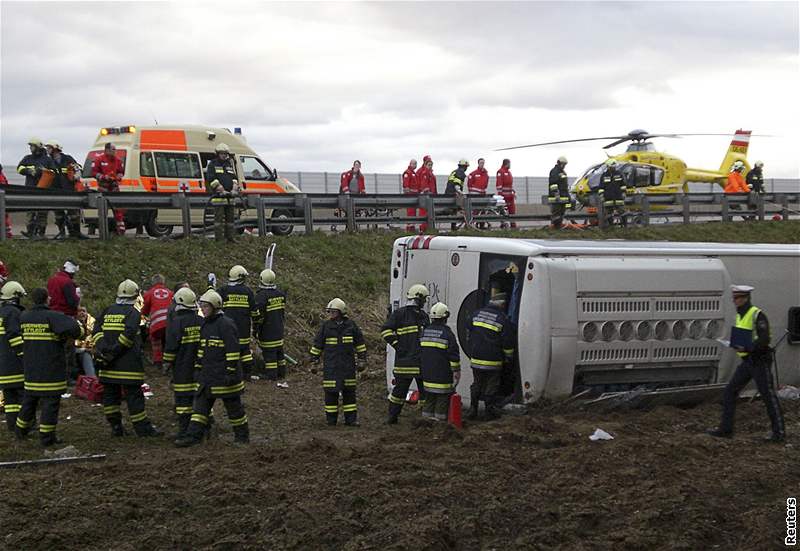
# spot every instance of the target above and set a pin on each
(560, 142)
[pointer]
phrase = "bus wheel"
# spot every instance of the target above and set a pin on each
(155, 229)
(281, 229)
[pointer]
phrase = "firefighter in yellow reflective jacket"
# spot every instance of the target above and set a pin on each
(12, 372)
(751, 337)
(119, 354)
(223, 184)
(44, 333)
(338, 342)
(440, 361)
(220, 375)
(401, 331)
(180, 354)
(239, 305)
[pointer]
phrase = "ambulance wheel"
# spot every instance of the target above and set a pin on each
(281, 229)
(155, 229)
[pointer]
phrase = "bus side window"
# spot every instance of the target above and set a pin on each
(146, 166)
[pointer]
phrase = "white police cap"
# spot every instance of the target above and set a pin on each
(741, 289)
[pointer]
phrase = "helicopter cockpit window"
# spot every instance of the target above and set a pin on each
(593, 176)
(644, 176)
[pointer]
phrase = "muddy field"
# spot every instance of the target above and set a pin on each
(529, 482)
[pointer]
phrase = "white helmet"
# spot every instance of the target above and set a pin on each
(237, 273)
(213, 298)
(417, 291)
(612, 163)
(222, 148)
(128, 289)
(186, 297)
(12, 290)
(337, 304)
(439, 311)
(759, 164)
(54, 144)
(738, 165)
(267, 277)
(562, 160)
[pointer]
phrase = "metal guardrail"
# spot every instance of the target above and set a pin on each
(359, 210)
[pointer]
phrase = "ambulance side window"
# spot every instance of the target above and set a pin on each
(254, 169)
(146, 166)
(177, 165)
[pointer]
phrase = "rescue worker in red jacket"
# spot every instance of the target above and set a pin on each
(426, 183)
(63, 293)
(4, 182)
(219, 374)
(43, 334)
(410, 187)
(12, 372)
(338, 342)
(107, 169)
(505, 187)
(118, 343)
(180, 354)
(352, 181)
(156, 304)
(3, 273)
(478, 179)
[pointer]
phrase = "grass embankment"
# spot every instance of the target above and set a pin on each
(311, 268)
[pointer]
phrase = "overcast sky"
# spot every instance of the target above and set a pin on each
(315, 85)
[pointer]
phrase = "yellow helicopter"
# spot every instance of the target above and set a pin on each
(649, 171)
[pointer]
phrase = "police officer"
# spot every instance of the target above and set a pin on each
(750, 337)
(338, 342)
(455, 186)
(268, 324)
(12, 372)
(440, 362)
(401, 331)
(119, 346)
(558, 193)
(240, 306)
(33, 166)
(180, 353)
(220, 375)
(223, 184)
(491, 344)
(44, 332)
(67, 173)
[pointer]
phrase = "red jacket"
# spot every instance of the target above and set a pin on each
(410, 185)
(505, 181)
(3, 179)
(426, 181)
(63, 296)
(347, 177)
(478, 180)
(108, 171)
(156, 305)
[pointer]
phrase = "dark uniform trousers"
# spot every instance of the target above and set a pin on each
(398, 396)
(274, 361)
(202, 412)
(757, 368)
(349, 407)
(13, 400)
(485, 386)
(134, 397)
(48, 418)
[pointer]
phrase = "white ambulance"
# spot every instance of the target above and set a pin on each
(606, 315)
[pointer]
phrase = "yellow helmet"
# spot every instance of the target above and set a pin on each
(35, 141)
(439, 311)
(237, 273)
(417, 291)
(186, 297)
(222, 148)
(337, 304)
(213, 298)
(12, 290)
(267, 277)
(127, 289)
(612, 163)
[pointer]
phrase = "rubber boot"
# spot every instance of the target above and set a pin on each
(351, 419)
(49, 439)
(117, 430)
(183, 425)
(331, 419)
(145, 429)
(11, 422)
(29, 231)
(472, 413)
(241, 434)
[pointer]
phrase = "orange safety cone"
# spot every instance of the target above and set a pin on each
(454, 413)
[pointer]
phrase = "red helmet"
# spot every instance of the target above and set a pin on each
(3, 271)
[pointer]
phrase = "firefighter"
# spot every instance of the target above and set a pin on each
(352, 181)
(240, 306)
(33, 166)
(43, 335)
(612, 192)
(223, 184)
(751, 337)
(339, 341)
(67, 174)
(455, 186)
(426, 183)
(558, 193)
(119, 346)
(155, 306)
(219, 374)
(755, 178)
(410, 187)
(401, 331)
(505, 187)
(268, 325)
(12, 372)
(108, 170)
(180, 354)
(491, 343)
(440, 363)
